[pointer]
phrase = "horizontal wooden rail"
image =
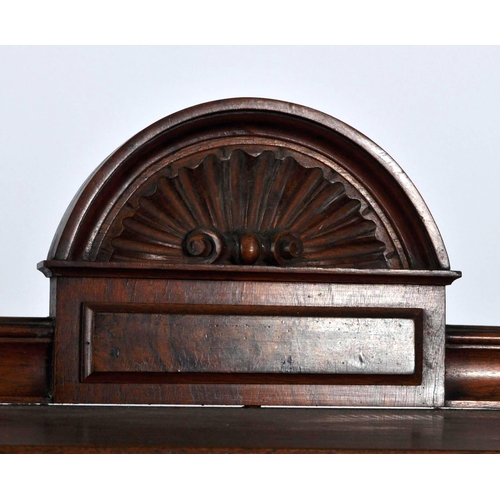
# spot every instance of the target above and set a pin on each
(473, 366)
(472, 363)
(126, 429)
(25, 359)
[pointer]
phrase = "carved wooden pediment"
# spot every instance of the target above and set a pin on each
(251, 182)
(249, 251)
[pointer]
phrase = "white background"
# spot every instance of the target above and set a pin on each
(435, 109)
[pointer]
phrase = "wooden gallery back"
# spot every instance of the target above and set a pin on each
(248, 252)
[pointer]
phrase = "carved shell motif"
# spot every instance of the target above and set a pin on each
(248, 210)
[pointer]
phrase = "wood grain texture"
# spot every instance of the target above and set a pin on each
(471, 378)
(59, 268)
(473, 366)
(233, 339)
(256, 204)
(25, 357)
(62, 429)
(235, 389)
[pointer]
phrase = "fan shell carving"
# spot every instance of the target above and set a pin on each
(250, 210)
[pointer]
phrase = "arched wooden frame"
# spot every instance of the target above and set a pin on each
(312, 138)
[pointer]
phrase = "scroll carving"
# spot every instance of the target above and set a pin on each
(250, 210)
(247, 248)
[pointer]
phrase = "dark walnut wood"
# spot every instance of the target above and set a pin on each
(250, 252)
(157, 270)
(178, 340)
(472, 363)
(62, 429)
(127, 332)
(243, 209)
(25, 360)
(473, 366)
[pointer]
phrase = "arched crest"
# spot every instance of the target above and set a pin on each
(251, 182)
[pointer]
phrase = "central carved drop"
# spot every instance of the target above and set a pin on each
(249, 210)
(249, 247)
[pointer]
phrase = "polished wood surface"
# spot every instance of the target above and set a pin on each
(77, 347)
(60, 268)
(246, 251)
(261, 204)
(77, 429)
(472, 363)
(195, 339)
(473, 366)
(25, 359)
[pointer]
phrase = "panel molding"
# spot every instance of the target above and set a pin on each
(157, 354)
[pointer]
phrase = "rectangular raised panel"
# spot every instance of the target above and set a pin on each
(236, 339)
(146, 308)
